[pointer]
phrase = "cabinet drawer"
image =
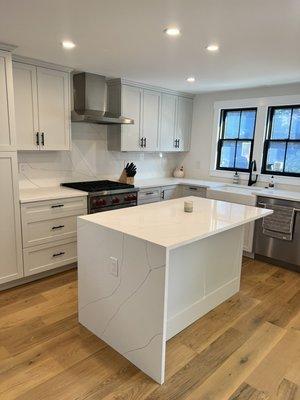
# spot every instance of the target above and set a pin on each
(149, 195)
(49, 230)
(43, 210)
(45, 257)
(194, 191)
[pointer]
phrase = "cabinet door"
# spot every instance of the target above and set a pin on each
(151, 107)
(131, 108)
(53, 108)
(10, 231)
(184, 123)
(26, 109)
(7, 123)
(170, 192)
(167, 122)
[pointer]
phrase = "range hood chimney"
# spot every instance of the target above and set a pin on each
(90, 101)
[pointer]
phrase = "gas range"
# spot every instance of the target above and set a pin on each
(106, 195)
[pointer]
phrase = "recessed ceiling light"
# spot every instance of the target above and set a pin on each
(172, 31)
(191, 79)
(212, 47)
(67, 44)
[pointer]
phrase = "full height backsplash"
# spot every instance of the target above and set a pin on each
(89, 159)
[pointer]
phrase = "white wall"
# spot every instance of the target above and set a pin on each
(197, 161)
(89, 159)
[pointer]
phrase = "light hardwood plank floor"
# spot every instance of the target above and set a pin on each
(248, 348)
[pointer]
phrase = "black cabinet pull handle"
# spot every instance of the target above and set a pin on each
(57, 227)
(178, 141)
(37, 141)
(145, 142)
(149, 193)
(192, 188)
(58, 254)
(142, 142)
(43, 139)
(57, 205)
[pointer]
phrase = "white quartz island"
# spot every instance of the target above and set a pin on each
(147, 272)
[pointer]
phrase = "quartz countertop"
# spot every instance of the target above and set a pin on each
(155, 182)
(166, 223)
(49, 193)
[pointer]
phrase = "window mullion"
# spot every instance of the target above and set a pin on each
(284, 160)
(290, 124)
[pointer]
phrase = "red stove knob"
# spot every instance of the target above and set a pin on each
(115, 200)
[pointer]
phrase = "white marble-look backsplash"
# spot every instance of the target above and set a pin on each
(89, 159)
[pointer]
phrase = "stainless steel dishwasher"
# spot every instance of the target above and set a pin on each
(277, 238)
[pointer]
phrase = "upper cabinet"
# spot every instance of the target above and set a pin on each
(150, 128)
(7, 121)
(168, 122)
(42, 107)
(162, 120)
(183, 123)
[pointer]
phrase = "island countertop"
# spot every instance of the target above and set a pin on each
(166, 224)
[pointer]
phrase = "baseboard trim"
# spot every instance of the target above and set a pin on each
(31, 278)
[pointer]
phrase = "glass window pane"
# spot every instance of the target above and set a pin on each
(247, 124)
(295, 127)
(281, 123)
(227, 154)
(292, 162)
(232, 124)
(243, 155)
(275, 157)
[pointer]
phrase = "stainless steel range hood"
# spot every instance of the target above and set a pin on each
(90, 101)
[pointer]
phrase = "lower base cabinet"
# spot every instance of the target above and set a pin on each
(11, 267)
(48, 256)
(49, 231)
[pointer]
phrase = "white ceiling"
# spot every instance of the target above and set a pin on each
(259, 39)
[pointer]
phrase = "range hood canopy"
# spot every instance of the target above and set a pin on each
(90, 101)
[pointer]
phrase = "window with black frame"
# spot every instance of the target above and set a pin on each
(235, 145)
(282, 145)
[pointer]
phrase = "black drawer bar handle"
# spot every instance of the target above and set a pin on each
(57, 205)
(192, 188)
(149, 193)
(58, 227)
(58, 254)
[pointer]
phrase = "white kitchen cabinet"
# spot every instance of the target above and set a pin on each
(10, 230)
(150, 131)
(149, 195)
(49, 256)
(7, 119)
(162, 118)
(167, 122)
(189, 190)
(42, 107)
(26, 106)
(170, 192)
(49, 233)
(131, 108)
(183, 123)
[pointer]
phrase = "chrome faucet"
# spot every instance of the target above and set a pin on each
(252, 168)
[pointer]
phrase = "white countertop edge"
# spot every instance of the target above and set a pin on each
(49, 193)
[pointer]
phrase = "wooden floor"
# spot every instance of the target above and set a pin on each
(247, 348)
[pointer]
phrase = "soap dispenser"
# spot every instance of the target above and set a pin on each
(272, 182)
(236, 178)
